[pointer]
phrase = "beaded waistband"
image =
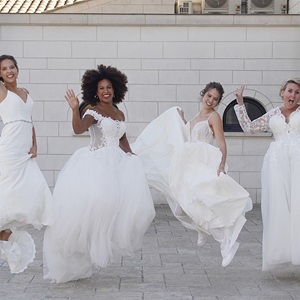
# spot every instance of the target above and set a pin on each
(18, 121)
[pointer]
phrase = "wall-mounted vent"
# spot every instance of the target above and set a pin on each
(215, 7)
(185, 7)
(261, 6)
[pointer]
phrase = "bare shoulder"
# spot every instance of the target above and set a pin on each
(215, 118)
(2, 87)
(121, 114)
(3, 91)
(83, 107)
(25, 90)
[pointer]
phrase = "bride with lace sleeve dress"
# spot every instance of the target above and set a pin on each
(25, 198)
(280, 173)
(181, 161)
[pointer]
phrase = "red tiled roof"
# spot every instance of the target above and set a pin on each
(32, 6)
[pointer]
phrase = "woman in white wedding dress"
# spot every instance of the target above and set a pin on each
(102, 200)
(25, 198)
(181, 161)
(279, 176)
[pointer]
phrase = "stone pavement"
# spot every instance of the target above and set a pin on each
(170, 266)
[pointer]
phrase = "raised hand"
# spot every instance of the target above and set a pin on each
(72, 99)
(239, 95)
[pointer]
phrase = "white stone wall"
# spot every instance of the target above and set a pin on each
(168, 60)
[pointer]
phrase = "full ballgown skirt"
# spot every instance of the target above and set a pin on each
(103, 206)
(280, 187)
(155, 146)
(25, 198)
(183, 166)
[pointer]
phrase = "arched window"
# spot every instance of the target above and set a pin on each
(230, 121)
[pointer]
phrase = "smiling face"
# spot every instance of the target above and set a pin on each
(105, 91)
(291, 96)
(8, 71)
(211, 98)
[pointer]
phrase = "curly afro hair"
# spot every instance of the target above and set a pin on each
(213, 85)
(90, 79)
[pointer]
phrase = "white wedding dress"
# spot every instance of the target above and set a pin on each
(280, 186)
(25, 198)
(182, 163)
(103, 206)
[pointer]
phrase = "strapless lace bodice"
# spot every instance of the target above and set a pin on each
(201, 132)
(106, 132)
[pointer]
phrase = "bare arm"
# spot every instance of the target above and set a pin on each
(3, 91)
(33, 149)
(217, 128)
(124, 144)
(79, 125)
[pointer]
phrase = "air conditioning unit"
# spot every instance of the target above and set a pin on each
(221, 7)
(185, 7)
(267, 6)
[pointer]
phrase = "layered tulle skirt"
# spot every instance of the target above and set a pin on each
(103, 208)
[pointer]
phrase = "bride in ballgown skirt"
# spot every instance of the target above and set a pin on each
(102, 200)
(103, 206)
(181, 162)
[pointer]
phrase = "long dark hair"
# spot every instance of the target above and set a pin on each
(10, 57)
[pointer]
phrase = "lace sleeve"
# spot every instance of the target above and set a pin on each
(260, 124)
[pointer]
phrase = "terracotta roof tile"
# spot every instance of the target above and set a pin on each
(32, 6)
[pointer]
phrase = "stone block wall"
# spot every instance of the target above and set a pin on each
(168, 60)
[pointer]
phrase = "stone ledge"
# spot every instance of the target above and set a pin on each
(149, 19)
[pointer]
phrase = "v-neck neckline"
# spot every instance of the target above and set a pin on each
(20, 97)
(290, 116)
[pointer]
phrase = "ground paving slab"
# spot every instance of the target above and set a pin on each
(170, 266)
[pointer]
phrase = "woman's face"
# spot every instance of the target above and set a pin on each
(8, 71)
(105, 91)
(211, 98)
(291, 96)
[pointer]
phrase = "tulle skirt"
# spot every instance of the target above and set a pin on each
(103, 208)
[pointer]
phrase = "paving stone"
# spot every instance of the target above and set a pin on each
(170, 266)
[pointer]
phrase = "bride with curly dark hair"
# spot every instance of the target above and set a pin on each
(102, 201)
